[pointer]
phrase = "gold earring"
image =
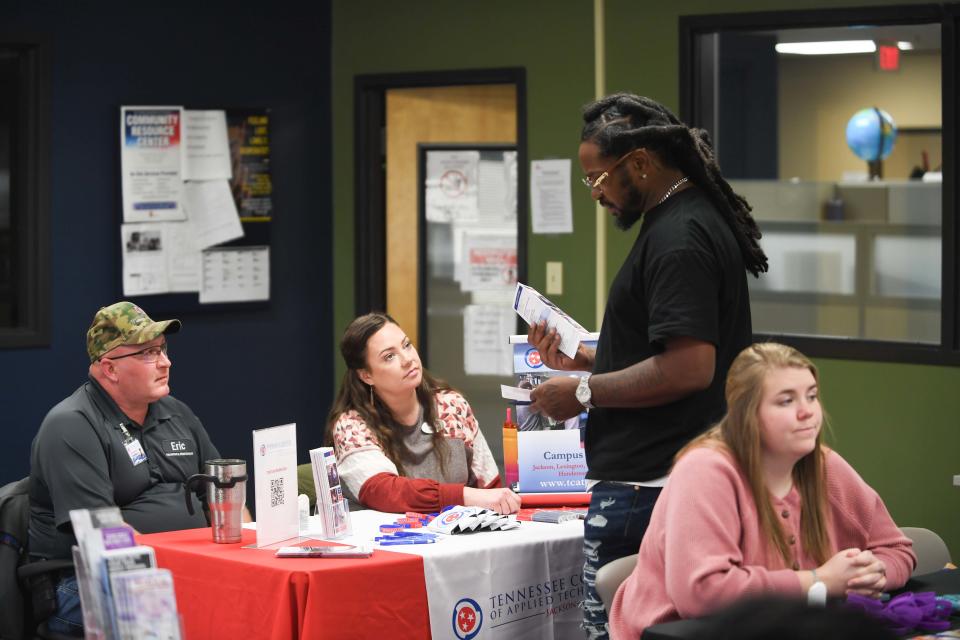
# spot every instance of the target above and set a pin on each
(643, 176)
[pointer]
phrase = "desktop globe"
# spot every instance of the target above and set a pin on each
(871, 134)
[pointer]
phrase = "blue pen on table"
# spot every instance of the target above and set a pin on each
(399, 541)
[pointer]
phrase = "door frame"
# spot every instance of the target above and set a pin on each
(370, 184)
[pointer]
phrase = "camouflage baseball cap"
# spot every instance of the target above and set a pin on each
(123, 323)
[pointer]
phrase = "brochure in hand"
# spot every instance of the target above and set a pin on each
(533, 307)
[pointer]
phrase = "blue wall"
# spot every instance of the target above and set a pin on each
(238, 370)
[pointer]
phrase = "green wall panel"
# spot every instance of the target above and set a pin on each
(896, 423)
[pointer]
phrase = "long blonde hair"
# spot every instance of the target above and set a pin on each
(738, 433)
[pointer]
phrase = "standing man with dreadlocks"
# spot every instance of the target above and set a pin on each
(678, 313)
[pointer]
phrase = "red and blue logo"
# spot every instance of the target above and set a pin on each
(532, 358)
(453, 516)
(467, 619)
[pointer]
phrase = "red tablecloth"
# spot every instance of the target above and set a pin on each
(225, 591)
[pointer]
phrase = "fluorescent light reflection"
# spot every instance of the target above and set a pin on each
(905, 46)
(833, 47)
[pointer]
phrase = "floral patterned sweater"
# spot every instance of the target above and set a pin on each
(371, 478)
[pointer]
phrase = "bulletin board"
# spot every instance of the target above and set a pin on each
(197, 208)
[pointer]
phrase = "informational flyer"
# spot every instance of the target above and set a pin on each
(235, 274)
(451, 186)
(551, 210)
(485, 348)
(275, 484)
(207, 154)
(144, 259)
(151, 159)
(248, 131)
(490, 260)
(533, 307)
(212, 212)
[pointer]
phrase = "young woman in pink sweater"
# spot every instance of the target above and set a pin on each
(757, 504)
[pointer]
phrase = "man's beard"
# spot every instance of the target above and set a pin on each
(631, 211)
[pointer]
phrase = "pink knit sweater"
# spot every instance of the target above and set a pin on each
(704, 547)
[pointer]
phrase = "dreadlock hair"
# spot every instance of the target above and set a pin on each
(621, 122)
(356, 395)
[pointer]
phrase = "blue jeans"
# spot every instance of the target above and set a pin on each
(68, 618)
(616, 521)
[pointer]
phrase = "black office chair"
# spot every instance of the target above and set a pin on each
(19, 618)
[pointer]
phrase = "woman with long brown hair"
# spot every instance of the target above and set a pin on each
(404, 440)
(759, 504)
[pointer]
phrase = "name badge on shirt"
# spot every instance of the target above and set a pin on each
(133, 447)
(179, 447)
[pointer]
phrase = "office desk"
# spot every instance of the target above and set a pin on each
(941, 582)
(523, 583)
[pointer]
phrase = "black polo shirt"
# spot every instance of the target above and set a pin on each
(684, 277)
(78, 460)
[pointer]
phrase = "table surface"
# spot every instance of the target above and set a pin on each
(226, 590)
(946, 581)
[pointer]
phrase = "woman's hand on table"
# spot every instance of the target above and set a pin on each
(502, 501)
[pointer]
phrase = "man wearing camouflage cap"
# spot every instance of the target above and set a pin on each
(120, 439)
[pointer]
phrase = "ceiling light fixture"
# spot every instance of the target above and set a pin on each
(831, 47)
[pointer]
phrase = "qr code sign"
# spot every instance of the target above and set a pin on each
(276, 492)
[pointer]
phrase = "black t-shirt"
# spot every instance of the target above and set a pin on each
(78, 461)
(684, 277)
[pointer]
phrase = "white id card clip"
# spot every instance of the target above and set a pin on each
(133, 447)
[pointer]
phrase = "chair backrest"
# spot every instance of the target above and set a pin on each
(931, 550)
(610, 575)
(14, 519)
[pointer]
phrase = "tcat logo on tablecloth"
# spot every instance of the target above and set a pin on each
(467, 619)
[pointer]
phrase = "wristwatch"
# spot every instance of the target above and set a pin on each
(817, 593)
(583, 392)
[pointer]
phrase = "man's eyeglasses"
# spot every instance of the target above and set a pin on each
(596, 184)
(147, 356)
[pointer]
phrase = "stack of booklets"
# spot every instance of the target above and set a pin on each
(332, 506)
(123, 593)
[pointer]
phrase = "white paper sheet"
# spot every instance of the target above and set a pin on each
(490, 260)
(144, 251)
(451, 186)
(212, 212)
(515, 393)
(183, 258)
(275, 484)
(495, 207)
(151, 163)
(207, 155)
(235, 274)
(551, 209)
(485, 347)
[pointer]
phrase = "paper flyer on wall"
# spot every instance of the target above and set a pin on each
(485, 352)
(275, 483)
(248, 131)
(332, 505)
(489, 260)
(235, 274)
(207, 155)
(551, 208)
(451, 186)
(151, 161)
(144, 258)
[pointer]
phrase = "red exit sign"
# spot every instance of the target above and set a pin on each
(888, 57)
